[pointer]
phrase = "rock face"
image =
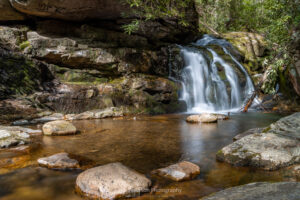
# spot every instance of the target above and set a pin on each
(250, 44)
(253, 191)
(179, 172)
(59, 161)
(278, 146)
(203, 118)
(60, 127)
(111, 181)
(8, 13)
(70, 10)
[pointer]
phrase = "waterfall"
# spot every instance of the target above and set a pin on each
(211, 83)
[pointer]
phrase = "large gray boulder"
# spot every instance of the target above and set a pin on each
(7, 13)
(111, 181)
(71, 9)
(278, 146)
(256, 191)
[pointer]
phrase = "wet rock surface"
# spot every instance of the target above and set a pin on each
(12, 138)
(60, 127)
(111, 181)
(248, 132)
(59, 161)
(253, 191)
(203, 118)
(278, 146)
(179, 172)
(15, 135)
(8, 13)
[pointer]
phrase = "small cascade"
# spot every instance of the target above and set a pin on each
(212, 78)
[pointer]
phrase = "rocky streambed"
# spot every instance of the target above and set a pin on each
(174, 159)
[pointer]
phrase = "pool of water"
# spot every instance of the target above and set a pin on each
(143, 143)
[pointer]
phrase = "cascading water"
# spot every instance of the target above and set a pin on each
(209, 82)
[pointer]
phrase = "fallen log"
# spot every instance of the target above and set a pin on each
(249, 102)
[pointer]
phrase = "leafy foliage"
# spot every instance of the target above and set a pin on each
(273, 18)
(157, 9)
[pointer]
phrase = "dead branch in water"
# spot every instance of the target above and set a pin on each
(249, 102)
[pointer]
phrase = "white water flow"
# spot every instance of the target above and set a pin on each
(209, 82)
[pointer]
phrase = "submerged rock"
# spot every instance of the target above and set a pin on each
(203, 118)
(60, 127)
(181, 171)
(59, 161)
(111, 181)
(254, 191)
(278, 147)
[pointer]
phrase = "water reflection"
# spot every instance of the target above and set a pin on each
(143, 144)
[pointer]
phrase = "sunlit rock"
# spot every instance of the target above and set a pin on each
(59, 128)
(111, 181)
(59, 161)
(9, 138)
(181, 171)
(203, 118)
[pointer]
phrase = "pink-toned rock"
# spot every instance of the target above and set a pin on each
(59, 161)
(111, 181)
(203, 118)
(181, 171)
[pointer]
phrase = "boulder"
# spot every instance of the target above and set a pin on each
(13, 138)
(203, 118)
(59, 161)
(179, 172)
(276, 147)
(70, 10)
(8, 13)
(254, 191)
(60, 127)
(111, 181)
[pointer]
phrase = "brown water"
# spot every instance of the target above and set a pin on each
(144, 144)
